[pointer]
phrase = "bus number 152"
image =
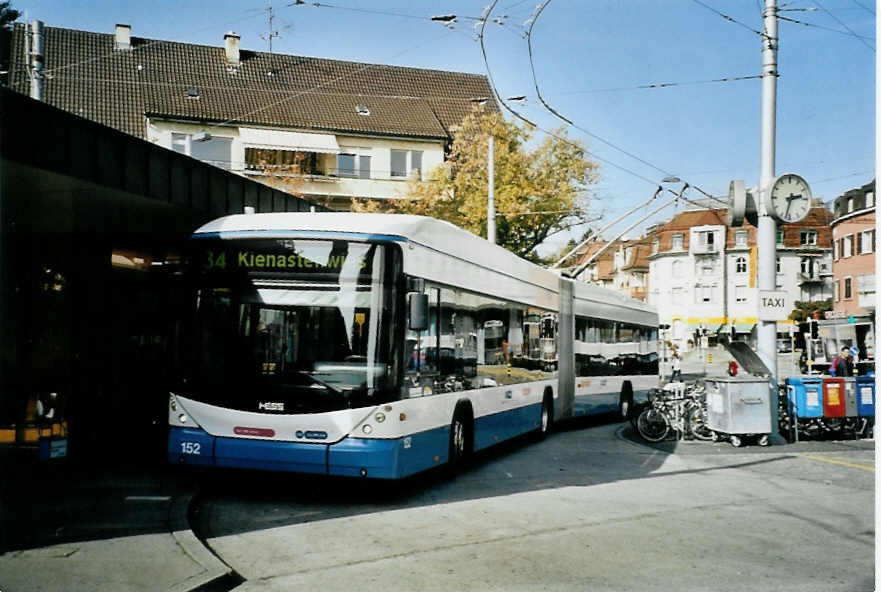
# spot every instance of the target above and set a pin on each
(191, 448)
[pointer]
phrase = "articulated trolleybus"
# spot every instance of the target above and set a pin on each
(381, 345)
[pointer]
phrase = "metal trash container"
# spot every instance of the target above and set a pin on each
(805, 400)
(739, 405)
(850, 397)
(865, 387)
(833, 397)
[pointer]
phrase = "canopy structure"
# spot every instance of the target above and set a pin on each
(284, 140)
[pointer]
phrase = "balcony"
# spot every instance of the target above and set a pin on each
(706, 249)
(811, 277)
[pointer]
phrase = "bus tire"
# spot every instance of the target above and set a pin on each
(546, 420)
(461, 440)
(625, 401)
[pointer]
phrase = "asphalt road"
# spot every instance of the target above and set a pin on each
(589, 508)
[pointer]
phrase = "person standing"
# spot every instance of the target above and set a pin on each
(841, 364)
(677, 367)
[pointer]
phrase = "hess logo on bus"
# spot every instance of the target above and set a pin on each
(270, 406)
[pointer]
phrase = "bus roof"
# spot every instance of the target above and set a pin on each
(434, 234)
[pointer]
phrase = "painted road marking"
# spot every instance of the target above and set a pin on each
(838, 462)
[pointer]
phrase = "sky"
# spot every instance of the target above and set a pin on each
(590, 58)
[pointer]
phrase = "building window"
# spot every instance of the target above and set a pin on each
(867, 242)
(214, 150)
(870, 200)
(835, 250)
(677, 242)
(866, 284)
(849, 205)
(807, 266)
(847, 248)
(656, 246)
(740, 293)
(704, 294)
(808, 237)
(405, 162)
(740, 265)
(848, 288)
(835, 291)
(740, 238)
(345, 164)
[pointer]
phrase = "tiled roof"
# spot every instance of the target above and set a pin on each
(87, 76)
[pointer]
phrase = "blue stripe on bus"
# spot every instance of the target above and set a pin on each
(495, 428)
(300, 234)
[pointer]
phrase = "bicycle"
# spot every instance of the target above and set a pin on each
(677, 410)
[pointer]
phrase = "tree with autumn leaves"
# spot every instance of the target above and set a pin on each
(538, 192)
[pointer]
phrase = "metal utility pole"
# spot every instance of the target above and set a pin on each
(491, 198)
(767, 230)
(35, 59)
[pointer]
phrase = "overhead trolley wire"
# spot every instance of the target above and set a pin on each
(733, 20)
(538, 12)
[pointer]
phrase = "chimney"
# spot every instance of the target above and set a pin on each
(123, 37)
(231, 42)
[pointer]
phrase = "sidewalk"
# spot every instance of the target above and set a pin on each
(68, 527)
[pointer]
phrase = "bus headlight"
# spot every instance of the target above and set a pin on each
(367, 429)
(182, 418)
(379, 417)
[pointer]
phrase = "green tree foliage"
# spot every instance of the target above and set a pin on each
(8, 15)
(538, 192)
(804, 310)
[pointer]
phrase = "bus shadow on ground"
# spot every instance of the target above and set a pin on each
(580, 453)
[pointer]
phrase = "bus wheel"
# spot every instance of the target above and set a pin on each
(625, 401)
(460, 442)
(547, 417)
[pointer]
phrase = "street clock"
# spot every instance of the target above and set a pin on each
(789, 199)
(736, 203)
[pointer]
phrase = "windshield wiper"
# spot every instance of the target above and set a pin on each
(318, 381)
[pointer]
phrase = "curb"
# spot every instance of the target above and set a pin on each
(213, 568)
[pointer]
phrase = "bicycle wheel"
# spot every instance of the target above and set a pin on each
(697, 422)
(652, 425)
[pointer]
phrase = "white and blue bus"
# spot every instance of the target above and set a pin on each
(383, 345)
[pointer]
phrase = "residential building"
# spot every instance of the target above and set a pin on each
(702, 273)
(327, 130)
(853, 235)
(622, 267)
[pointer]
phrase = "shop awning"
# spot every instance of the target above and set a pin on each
(295, 141)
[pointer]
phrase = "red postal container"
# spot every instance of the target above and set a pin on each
(833, 397)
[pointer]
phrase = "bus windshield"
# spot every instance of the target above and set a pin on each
(290, 326)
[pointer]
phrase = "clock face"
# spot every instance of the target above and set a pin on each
(790, 198)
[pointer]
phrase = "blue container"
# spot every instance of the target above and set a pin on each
(865, 386)
(805, 396)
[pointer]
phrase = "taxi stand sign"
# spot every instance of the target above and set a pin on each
(774, 305)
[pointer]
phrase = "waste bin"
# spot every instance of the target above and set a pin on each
(833, 397)
(865, 387)
(805, 396)
(739, 405)
(850, 397)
